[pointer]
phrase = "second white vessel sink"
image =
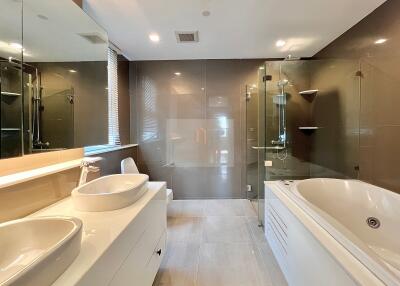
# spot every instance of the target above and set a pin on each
(36, 251)
(110, 192)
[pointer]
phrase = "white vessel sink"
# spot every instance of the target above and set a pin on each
(110, 192)
(36, 251)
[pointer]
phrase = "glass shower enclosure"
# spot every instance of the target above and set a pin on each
(298, 111)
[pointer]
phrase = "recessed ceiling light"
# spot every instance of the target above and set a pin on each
(261, 68)
(177, 73)
(380, 41)
(280, 43)
(72, 71)
(206, 13)
(154, 38)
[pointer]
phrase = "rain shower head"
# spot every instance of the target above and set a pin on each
(282, 82)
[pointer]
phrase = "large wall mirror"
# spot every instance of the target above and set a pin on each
(53, 77)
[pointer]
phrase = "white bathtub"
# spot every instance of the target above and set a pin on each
(342, 208)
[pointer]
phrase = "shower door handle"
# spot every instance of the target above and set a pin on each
(258, 148)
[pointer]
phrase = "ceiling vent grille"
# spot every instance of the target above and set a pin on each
(187, 37)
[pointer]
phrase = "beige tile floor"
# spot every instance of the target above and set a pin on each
(216, 242)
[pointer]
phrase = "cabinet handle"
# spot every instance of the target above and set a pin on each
(158, 252)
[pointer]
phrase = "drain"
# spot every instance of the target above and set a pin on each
(373, 222)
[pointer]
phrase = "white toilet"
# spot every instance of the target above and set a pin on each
(128, 166)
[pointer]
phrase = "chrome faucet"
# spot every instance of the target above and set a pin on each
(86, 168)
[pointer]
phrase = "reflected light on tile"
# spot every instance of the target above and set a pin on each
(224, 172)
(280, 43)
(16, 46)
(222, 122)
(380, 41)
(13, 48)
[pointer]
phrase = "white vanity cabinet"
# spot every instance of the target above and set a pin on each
(142, 263)
(123, 247)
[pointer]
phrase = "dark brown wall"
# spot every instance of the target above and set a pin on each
(336, 110)
(379, 91)
(189, 119)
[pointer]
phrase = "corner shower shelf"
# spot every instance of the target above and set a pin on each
(10, 93)
(308, 92)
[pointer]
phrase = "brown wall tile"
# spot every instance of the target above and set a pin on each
(191, 108)
(380, 84)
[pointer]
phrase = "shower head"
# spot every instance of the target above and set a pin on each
(282, 82)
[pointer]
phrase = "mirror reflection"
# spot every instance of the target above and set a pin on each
(59, 96)
(10, 79)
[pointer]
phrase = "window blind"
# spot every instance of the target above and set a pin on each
(113, 125)
(149, 107)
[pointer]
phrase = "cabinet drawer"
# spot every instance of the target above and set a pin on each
(155, 261)
(133, 270)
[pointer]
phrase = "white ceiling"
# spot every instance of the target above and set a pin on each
(235, 28)
(57, 39)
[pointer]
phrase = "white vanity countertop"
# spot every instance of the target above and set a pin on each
(100, 229)
(21, 177)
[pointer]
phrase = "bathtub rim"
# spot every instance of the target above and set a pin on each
(365, 256)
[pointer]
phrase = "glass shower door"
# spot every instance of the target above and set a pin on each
(251, 142)
(255, 139)
(273, 143)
